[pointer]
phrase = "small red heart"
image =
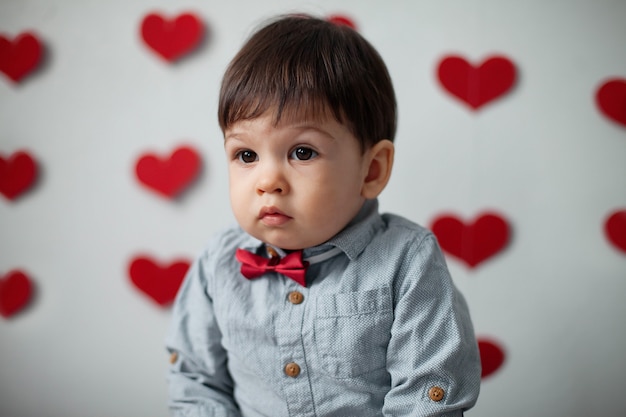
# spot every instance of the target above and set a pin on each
(611, 99)
(475, 242)
(615, 229)
(15, 292)
(491, 357)
(171, 175)
(161, 283)
(342, 20)
(19, 57)
(477, 86)
(17, 174)
(172, 39)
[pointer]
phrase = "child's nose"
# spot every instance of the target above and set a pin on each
(272, 180)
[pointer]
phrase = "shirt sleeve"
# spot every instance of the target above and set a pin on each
(198, 379)
(432, 356)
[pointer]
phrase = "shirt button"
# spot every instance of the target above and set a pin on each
(292, 370)
(173, 358)
(296, 297)
(272, 252)
(436, 393)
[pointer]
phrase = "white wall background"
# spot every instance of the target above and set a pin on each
(90, 344)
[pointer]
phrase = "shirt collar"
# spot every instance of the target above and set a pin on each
(352, 240)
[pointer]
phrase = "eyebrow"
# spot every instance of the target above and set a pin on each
(307, 126)
(304, 126)
(230, 136)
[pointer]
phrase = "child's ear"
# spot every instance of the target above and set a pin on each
(380, 162)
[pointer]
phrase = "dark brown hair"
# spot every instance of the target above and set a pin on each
(305, 67)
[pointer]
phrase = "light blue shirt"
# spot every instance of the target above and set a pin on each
(379, 324)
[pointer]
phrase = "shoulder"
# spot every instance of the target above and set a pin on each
(400, 232)
(408, 252)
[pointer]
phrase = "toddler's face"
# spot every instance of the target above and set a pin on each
(297, 184)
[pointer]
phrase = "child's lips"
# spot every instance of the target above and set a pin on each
(271, 216)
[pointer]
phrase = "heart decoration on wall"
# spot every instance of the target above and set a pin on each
(611, 100)
(491, 356)
(160, 283)
(476, 86)
(615, 229)
(341, 20)
(172, 38)
(15, 292)
(169, 176)
(20, 57)
(17, 174)
(475, 242)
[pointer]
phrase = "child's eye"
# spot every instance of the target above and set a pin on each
(247, 156)
(303, 154)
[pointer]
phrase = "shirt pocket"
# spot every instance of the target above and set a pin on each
(352, 331)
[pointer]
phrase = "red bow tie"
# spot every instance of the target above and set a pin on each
(292, 265)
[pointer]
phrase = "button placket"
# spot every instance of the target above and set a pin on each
(295, 382)
(292, 369)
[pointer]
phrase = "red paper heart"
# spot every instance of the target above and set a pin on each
(342, 20)
(160, 283)
(171, 175)
(15, 293)
(476, 86)
(20, 57)
(172, 39)
(491, 357)
(615, 229)
(17, 174)
(475, 242)
(611, 100)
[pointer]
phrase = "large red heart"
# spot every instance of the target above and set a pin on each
(17, 174)
(476, 86)
(169, 176)
(160, 283)
(475, 242)
(611, 99)
(19, 57)
(491, 356)
(172, 39)
(615, 229)
(15, 293)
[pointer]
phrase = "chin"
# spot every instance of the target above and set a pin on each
(287, 243)
(284, 239)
